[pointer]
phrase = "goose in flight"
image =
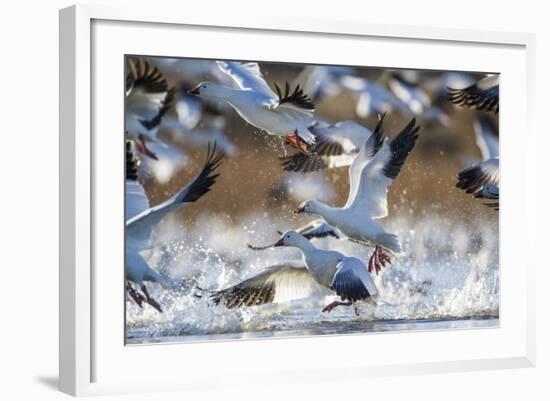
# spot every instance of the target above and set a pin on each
(372, 97)
(148, 98)
(416, 99)
(483, 178)
(322, 81)
(140, 225)
(375, 167)
(483, 95)
(347, 277)
(288, 113)
(337, 145)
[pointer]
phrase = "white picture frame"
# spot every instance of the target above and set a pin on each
(93, 358)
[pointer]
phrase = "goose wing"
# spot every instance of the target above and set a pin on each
(247, 76)
(148, 97)
(136, 198)
(276, 283)
(475, 177)
(318, 229)
(364, 156)
(373, 178)
(483, 95)
(140, 227)
(336, 146)
(352, 281)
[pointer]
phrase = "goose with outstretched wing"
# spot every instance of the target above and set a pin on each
(287, 114)
(337, 146)
(375, 167)
(140, 226)
(321, 271)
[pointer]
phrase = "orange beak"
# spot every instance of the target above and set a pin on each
(299, 210)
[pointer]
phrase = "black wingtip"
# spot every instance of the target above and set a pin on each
(142, 73)
(400, 148)
(296, 97)
(207, 177)
(166, 105)
(476, 98)
(302, 163)
(471, 179)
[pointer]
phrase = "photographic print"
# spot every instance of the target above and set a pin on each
(268, 199)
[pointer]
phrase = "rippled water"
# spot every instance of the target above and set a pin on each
(447, 278)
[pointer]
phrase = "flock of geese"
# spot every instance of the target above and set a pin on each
(373, 161)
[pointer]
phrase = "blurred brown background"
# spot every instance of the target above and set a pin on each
(249, 181)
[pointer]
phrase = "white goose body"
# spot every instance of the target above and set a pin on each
(285, 114)
(354, 224)
(347, 276)
(141, 220)
(321, 272)
(272, 121)
(373, 170)
(320, 263)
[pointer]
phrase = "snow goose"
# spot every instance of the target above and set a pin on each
(375, 167)
(416, 99)
(347, 277)
(483, 178)
(483, 95)
(337, 145)
(148, 98)
(371, 97)
(475, 179)
(319, 81)
(139, 227)
(287, 113)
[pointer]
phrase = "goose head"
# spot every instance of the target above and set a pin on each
(309, 207)
(206, 89)
(290, 238)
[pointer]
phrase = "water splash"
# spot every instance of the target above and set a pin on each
(447, 271)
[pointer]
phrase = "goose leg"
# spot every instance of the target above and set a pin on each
(137, 297)
(295, 140)
(378, 260)
(150, 300)
(333, 305)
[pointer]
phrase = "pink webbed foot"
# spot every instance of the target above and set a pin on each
(378, 260)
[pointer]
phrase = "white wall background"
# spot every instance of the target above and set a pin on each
(29, 202)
